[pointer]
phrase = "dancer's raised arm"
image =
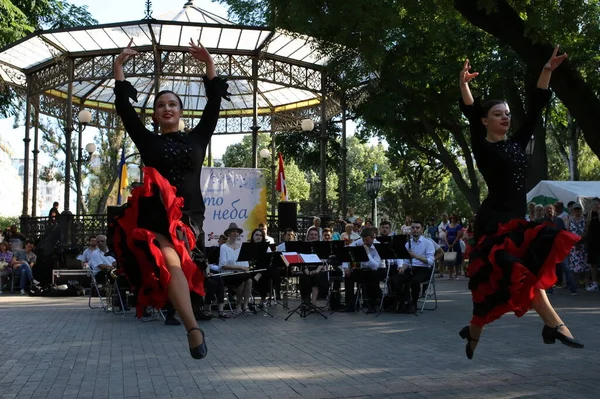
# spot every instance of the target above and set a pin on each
(553, 63)
(121, 59)
(201, 54)
(465, 77)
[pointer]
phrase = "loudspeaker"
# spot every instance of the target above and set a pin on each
(287, 215)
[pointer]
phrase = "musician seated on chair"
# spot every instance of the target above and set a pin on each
(416, 270)
(364, 273)
(311, 278)
(262, 281)
(105, 273)
(288, 235)
(228, 256)
(96, 260)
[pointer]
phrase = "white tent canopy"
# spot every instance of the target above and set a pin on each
(549, 191)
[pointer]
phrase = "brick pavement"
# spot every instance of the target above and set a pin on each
(59, 348)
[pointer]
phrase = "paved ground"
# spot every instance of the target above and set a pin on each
(59, 348)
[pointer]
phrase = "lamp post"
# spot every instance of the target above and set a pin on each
(373, 186)
(84, 117)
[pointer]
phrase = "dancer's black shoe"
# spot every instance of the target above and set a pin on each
(200, 351)
(465, 333)
(550, 335)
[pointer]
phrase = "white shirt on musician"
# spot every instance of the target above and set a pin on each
(374, 261)
(228, 257)
(421, 247)
(95, 258)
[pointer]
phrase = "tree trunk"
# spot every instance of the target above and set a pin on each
(101, 207)
(505, 24)
(573, 150)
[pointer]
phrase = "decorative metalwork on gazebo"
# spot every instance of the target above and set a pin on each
(276, 77)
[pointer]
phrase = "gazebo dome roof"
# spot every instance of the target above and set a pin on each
(285, 68)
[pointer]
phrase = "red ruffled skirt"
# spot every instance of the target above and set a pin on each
(154, 209)
(505, 268)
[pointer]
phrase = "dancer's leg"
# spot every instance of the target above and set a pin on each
(475, 332)
(179, 291)
(542, 306)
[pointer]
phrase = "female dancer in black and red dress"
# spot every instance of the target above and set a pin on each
(513, 261)
(156, 233)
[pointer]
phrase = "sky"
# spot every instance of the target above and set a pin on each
(107, 11)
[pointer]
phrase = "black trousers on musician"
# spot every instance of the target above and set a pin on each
(104, 277)
(214, 287)
(407, 285)
(270, 278)
(307, 282)
(369, 280)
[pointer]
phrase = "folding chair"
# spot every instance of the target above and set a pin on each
(94, 288)
(429, 294)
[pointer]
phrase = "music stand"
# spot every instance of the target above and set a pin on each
(352, 254)
(301, 247)
(305, 309)
(387, 251)
(384, 239)
(251, 252)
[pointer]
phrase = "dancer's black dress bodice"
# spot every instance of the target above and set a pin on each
(503, 164)
(176, 156)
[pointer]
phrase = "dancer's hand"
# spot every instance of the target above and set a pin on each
(199, 52)
(555, 61)
(127, 53)
(465, 75)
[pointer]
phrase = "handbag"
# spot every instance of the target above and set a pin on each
(450, 256)
(3, 265)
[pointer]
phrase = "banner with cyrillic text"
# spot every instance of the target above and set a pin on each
(237, 195)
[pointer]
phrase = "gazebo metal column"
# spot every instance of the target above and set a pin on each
(68, 135)
(344, 185)
(323, 191)
(36, 151)
(26, 140)
(254, 111)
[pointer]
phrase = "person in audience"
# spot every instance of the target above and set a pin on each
(406, 227)
(316, 225)
(6, 257)
(349, 235)
(530, 212)
(453, 237)
(550, 216)
(350, 217)
(442, 231)
(327, 234)
(559, 208)
(23, 262)
(432, 230)
(577, 264)
(15, 238)
(570, 207)
(538, 213)
(54, 210)
(414, 271)
(268, 239)
(230, 252)
(369, 223)
(592, 239)
(365, 272)
(335, 236)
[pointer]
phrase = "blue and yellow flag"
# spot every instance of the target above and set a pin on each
(123, 182)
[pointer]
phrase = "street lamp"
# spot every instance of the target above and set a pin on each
(84, 117)
(307, 125)
(373, 186)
